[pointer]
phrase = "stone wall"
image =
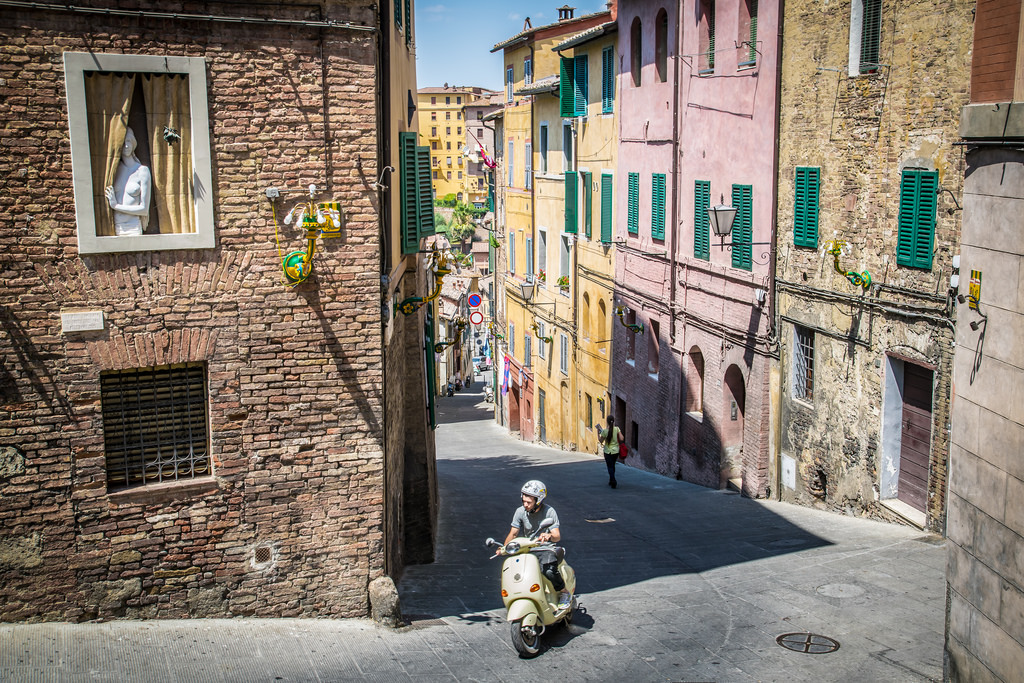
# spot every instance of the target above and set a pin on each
(291, 522)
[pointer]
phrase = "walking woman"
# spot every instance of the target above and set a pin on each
(610, 439)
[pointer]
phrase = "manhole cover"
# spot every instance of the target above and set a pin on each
(808, 643)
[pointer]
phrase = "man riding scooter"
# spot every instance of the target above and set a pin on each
(526, 520)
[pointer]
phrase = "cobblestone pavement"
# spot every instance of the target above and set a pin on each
(676, 583)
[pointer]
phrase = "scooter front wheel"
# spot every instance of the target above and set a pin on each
(525, 640)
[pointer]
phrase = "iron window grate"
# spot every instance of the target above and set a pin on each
(803, 364)
(155, 424)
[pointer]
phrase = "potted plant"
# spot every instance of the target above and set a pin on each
(542, 276)
(563, 282)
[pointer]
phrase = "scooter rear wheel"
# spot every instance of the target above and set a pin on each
(525, 641)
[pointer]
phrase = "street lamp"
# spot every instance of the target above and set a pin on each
(721, 218)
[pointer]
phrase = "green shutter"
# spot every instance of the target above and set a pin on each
(606, 208)
(570, 201)
(701, 221)
(566, 94)
(633, 212)
(918, 197)
(608, 80)
(409, 199)
(870, 36)
(588, 202)
(752, 54)
(658, 206)
(805, 207)
(742, 227)
(711, 34)
(580, 85)
(424, 195)
(408, 22)
(398, 13)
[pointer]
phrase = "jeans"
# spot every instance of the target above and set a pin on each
(610, 459)
(549, 567)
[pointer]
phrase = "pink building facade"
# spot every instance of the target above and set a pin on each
(698, 91)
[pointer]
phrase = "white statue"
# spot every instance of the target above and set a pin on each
(129, 197)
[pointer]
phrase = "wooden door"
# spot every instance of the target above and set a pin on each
(915, 443)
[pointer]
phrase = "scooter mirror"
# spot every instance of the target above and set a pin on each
(489, 542)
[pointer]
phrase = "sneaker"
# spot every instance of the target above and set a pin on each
(564, 600)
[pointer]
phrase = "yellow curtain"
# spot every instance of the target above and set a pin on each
(108, 99)
(167, 105)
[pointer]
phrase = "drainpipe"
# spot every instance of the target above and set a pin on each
(776, 423)
(673, 238)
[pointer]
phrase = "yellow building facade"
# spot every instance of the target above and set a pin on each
(446, 118)
(544, 400)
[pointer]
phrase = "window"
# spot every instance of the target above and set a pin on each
(543, 157)
(542, 251)
(865, 36)
(803, 363)
(747, 38)
(511, 162)
(602, 323)
(528, 71)
(606, 207)
(608, 80)
(529, 258)
(433, 145)
(447, 100)
(653, 347)
(508, 84)
(584, 324)
(480, 116)
(417, 201)
(154, 424)
(448, 130)
(448, 146)
(398, 14)
(527, 350)
(918, 197)
(567, 156)
(460, 175)
(636, 51)
(512, 252)
(435, 175)
(661, 45)
(658, 206)
(449, 160)
(588, 201)
(408, 22)
(458, 131)
(434, 161)
(634, 436)
(630, 338)
(448, 117)
(433, 100)
(563, 257)
(570, 201)
(590, 411)
(694, 378)
(633, 207)
(563, 363)
(528, 165)
(701, 221)
(540, 342)
(805, 207)
(458, 115)
(742, 227)
(433, 116)
(572, 86)
(449, 175)
(142, 85)
(706, 29)
(512, 339)
(458, 100)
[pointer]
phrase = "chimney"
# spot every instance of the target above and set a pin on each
(527, 25)
(565, 13)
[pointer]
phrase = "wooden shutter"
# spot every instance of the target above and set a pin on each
(424, 195)
(742, 227)
(588, 202)
(658, 206)
(608, 80)
(408, 22)
(805, 207)
(566, 90)
(409, 199)
(580, 85)
(398, 13)
(570, 201)
(752, 54)
(870, 36)
(606, 207)
(701, 221)
(711, 34)
(918, 198)
(633, 207)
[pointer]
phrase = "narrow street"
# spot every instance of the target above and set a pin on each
(676, 583)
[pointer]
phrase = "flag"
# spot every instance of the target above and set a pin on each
(505, 377)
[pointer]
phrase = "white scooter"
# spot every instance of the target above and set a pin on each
(529, 597)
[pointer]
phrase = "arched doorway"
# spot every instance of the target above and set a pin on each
(735, 396)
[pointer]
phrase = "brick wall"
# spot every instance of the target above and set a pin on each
(296, 396)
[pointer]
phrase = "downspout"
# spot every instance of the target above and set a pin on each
(676, 189)
(773, 339)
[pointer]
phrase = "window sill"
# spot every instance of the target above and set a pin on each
(696, 416)
(165, 492)
(804, 402)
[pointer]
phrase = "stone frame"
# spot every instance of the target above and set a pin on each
(76, 64)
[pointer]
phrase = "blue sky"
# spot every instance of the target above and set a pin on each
(454, 37)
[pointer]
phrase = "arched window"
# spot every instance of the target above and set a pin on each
(585, 318)
(694, 377)
(636, 50)
(706, 27)
(602, 323)
(661, 45)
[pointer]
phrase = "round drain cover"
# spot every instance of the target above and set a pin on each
(808, 643)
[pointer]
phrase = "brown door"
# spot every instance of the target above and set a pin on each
(915, 443)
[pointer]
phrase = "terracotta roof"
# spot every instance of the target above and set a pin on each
(522, 35)
(588, 35)
(541, 85)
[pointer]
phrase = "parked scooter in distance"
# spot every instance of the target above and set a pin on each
(530, 599)
(489, 395)
(450, 390)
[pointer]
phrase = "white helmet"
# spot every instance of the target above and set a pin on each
(536, 489)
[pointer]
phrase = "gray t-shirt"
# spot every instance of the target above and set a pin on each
(527, 522)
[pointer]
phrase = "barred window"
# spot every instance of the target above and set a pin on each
(803, 363)
(154, 424)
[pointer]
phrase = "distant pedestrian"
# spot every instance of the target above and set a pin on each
(610, 439)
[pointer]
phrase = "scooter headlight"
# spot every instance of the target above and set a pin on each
(512, 548)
